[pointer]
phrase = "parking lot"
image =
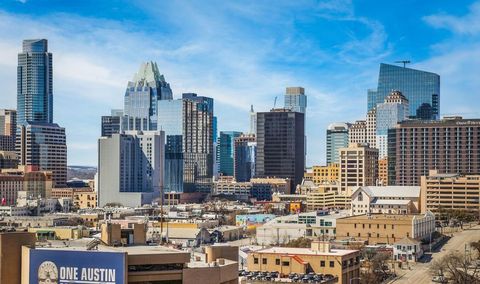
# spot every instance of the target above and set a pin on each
(269, 277)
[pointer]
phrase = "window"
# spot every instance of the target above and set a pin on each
(360, 196)
(393, 227)
(255, 260)
(264, 261)
(285, 263)
(369, 226)
(348, 234)
(393, 235)
(344, 263)
(363, 226)
(277, 261)
(322, 263)
(355, 225)
(332, 264)
(384, 226)
(359, 234)
(378, 226)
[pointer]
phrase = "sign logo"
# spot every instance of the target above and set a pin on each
(47, 273)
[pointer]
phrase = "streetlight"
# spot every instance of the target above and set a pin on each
(354, 278)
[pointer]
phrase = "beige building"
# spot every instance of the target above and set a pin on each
(385, 200)
(372, 128)
(26, 178)
(385, 229)
(450, 191)
(319, 258)
(82, 198)
(357, 134)
(358, 166)
(383, 171)
(324, 196)
(324, 174)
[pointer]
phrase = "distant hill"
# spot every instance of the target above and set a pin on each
(81, 172)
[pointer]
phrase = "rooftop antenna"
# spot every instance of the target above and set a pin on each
(405, 62)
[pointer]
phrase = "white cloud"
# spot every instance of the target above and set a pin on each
(467, 25)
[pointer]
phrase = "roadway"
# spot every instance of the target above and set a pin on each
(420, 273)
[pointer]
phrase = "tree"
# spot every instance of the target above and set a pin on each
(456, 268)
(476, 247)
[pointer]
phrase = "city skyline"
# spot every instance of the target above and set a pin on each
(95, 56)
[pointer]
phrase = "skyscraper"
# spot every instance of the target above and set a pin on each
(39, 141)
(393, 110)
(253, 121)
(245, 154)
(358, 166)
(450, 146)
(421, 88)
(141, 96)
(44, 145)
(130, 168)
(337, 137)
(188, 126)
(295, 99)
(8, 125)
(281, 145)
(358, 132)
(35, 83)
(227, 151)
(113, 123)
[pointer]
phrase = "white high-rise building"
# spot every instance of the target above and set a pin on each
(395, 109)
(131, 167)
(253, 121)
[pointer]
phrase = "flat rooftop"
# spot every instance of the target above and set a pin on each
(305, 251)
(383, 217)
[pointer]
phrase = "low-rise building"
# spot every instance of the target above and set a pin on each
(324, 196)
(324, 174)
(26, 178)
(450, 192)
(407, 250)
(82, 197)
(259, 188)
(385, 229)
(319, 259)
(312, 225)
(385, 199)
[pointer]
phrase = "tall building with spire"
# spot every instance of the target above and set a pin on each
(147, 87)
(39, 141)
(253, 121)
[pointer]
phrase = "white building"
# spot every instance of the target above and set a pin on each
(130, 168)
(407, 250)
(385, 199)
(312, 225)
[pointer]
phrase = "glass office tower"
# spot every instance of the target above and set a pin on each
(337, 137)
(227, 151)
(140, 105)
(34, 83)
(421, 88)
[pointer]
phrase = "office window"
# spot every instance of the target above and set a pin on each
(332, 264)
(322, 263)
(277, 261)
(355, 225)
(285, 263)
(393, 235)
(255, 260)
(264, 261)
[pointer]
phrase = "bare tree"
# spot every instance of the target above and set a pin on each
(456, 268)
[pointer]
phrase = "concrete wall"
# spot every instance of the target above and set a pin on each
(11, 255)
(224, 251)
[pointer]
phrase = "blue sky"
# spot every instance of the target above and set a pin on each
(241, 53)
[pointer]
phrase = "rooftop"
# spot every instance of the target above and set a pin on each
(391, 202)
(305, 251)
(391, 191)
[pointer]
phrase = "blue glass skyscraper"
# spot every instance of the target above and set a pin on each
(226, 152)
(140, 106)
(34, 83)
(421, 88)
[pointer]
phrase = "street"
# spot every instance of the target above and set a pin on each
(420, 272)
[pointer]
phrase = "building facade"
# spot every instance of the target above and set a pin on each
(450, 145)
(421, 88)
(325, 174)
(147, 87)
(386, 229)
(226, 152)
(281, 145)
(244, 157)
(385, 200)
(43, 145)
(130, 168)
(358, 132)
(358, 166)
(8, 125)
(189, 156)
(337, 137)
(295, 99)
(442, 192)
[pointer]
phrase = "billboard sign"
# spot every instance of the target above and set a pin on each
(70, 266)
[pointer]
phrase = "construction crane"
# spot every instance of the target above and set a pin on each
(405, 62)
